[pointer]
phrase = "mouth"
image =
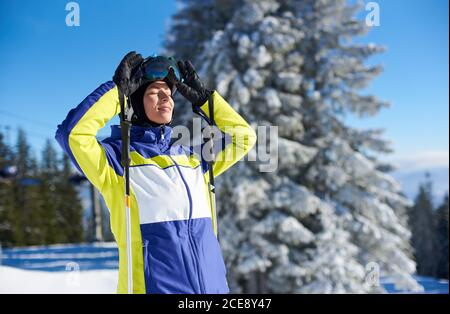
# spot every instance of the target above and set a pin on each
(164, 109)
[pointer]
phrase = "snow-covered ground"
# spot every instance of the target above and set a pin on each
(430, 285)
(92, 268)
(15, 280)
(80, 268)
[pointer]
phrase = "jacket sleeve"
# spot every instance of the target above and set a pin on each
(77, 134)
(242, 136)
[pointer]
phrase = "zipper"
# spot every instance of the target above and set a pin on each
(162, 132)
(147, 277)
(191, 241)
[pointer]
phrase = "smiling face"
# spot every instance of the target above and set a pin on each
(158, 102)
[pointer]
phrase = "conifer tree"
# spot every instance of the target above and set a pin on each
(422, 223)
(330, 208)
(441, 223)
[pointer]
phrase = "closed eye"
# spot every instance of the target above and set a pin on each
(167, 91)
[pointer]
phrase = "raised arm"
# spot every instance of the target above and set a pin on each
(243, 137)
(77, 134)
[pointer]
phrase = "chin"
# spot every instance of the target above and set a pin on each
(167, 120)
(162, 119)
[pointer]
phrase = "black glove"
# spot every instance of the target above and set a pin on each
(123, 77)
(191, 88)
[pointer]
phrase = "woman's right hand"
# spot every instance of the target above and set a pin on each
(122, 76)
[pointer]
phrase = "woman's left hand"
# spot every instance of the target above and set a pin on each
(191, 87)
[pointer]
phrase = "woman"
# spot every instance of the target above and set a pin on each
(174, 243)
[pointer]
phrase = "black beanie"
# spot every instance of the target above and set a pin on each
(139, 116)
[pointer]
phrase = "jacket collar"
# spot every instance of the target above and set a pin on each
(146, 134)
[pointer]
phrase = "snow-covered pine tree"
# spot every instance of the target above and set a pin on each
(329, 209)
(197, 19)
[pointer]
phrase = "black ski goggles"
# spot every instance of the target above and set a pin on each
(157, 68)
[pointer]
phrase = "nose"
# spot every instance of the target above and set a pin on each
(164, 96)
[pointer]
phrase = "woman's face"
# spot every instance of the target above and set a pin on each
(158, 102)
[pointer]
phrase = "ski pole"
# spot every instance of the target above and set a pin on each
(125, 126)
(212, 189)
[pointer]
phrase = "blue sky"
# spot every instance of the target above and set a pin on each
(414, 80)
(48, 68)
